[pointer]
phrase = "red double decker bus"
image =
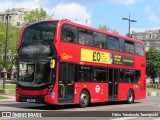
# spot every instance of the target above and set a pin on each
(62, 62)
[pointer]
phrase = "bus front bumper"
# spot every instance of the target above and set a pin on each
(43, 99)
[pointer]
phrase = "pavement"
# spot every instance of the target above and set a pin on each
(10, 98)
(153, 93)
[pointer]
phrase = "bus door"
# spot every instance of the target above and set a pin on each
(113, 84)
(66, 83)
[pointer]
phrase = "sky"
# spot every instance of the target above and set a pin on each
(98, 12)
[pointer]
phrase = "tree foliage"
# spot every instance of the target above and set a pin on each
(104, 27)
(153, 63)
(13, 36)
(36, 15)
(2, 41)
(115, 31)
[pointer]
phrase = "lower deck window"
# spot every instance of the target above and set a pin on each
(100, 75)
(85, 73)
(129, 76)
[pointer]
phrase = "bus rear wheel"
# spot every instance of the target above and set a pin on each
(84, 99)
(130, 97)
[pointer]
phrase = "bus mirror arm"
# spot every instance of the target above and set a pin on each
(53, 57)
(49, 58)
(58, 58)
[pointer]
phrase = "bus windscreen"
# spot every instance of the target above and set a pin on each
(37, 41)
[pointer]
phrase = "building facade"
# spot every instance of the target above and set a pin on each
(16, 17)
(149, 37)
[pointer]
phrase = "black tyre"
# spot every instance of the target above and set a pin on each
(50, 105)
(130, 97)
(84, 99)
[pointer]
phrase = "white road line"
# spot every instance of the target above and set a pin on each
(125, 118)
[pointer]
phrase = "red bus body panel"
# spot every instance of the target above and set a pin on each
(32, 92)
(99, 96)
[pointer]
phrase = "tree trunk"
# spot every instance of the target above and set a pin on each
(153, 80)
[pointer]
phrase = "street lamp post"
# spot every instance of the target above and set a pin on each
(129, 20)
(6, 45)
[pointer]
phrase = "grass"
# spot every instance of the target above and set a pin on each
(153, 90)
(8, 86)
(3, 97)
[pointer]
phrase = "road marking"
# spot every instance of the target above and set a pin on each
(124, 118)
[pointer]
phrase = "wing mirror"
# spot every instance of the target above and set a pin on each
(52, 63)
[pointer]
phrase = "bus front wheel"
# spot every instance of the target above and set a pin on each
(84, 99)
(130, 97)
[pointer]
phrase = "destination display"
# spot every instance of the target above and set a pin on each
(34, 50)
(88, 55)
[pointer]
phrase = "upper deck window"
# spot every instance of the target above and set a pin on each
(69, 34)
(37, 41)
(100, 40)
(39, 31)
(85, 37)
(139, 49)
(121, 45)
(129, 47)
(112, 43)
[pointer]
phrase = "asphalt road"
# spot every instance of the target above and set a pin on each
(67, 112)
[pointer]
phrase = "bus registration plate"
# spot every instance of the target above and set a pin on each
(31, 100)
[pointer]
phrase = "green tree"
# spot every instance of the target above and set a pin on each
(36, 15)
(13, 36)
(115, 31)
(2, 43)
(153, 63)
(104, 27)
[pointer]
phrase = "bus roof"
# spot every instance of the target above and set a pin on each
(66, 21)
(98, 30)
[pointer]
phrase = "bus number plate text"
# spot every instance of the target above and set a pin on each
(31, 100)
